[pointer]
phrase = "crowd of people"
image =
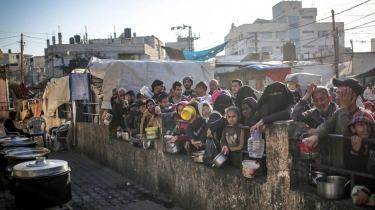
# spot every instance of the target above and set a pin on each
(216, 108)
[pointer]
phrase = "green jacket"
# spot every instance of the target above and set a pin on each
(337, 124)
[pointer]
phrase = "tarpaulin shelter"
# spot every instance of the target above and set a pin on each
(22, 92)
(133, 75)
(203, 55)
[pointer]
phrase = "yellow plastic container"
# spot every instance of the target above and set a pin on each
(152, 133)
(187, 113)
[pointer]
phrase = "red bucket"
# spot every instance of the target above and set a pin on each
(307, 153)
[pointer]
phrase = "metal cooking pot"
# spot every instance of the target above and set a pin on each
(135, 142)
(198, 156)
(119, 134)
(13, 138)
(147, 144)
(41, 184)
(332, 187)
(173, 148)
(220, 160)
(16, 157)
(18, 144)
(314, 175)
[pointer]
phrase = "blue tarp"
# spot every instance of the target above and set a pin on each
(266, 67)
(205, 54)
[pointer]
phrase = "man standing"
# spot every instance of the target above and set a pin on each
(201, 91)
(177, 93)
(368, 94)
(236, 84)
(157, 88)
(214, 85)
(347, 92)
(114, 96)
(324, 108)
(188, 83)
(119, 110)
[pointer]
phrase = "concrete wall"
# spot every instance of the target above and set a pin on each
(195, 186)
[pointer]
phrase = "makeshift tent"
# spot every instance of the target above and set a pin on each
(56, 94)
(133, 75)
(204, 55)
(276, 73)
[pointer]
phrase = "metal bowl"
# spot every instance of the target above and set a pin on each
(147, 144)
(220, 160)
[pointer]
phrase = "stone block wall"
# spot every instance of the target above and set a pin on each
(195, 186)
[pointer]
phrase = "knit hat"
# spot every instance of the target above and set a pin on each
(362, 116)
(368, 104)
(156, 83)
(190, 78)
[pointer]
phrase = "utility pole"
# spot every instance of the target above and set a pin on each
(256, 42)
(321, 56)
(335, 44)
(351, 43)
(22, 76)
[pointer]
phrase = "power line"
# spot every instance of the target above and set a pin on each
(10, 44)
(9, 37)
(360, 25)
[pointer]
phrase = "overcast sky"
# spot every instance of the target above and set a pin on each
(209, 18)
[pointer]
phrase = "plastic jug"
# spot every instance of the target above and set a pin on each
(146, 91)
(255, 145)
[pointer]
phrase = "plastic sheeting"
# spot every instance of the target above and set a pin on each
(205, 54)
(56, 94)
(132, 75)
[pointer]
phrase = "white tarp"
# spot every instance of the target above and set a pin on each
(327, 71)
(133, 75)
(56, 94)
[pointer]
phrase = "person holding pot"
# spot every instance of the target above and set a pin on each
(196, 129)
(147, 118)
(232, 140)
(356, 153)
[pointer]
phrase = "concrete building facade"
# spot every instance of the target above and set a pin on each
(373, 45)
(61, 58)
(290, 23)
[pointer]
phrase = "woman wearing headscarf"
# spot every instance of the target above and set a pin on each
(248, 108)
(276, 103)
(217, 122)
(196, 129)
(244, 92)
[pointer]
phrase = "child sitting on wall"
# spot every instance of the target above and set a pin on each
(356, 153)
(195, 131)
(232, 140)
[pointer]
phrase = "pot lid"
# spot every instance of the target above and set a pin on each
(19, 149)
(8, 139)
(26, 154)
(18, 143)
(39, 168)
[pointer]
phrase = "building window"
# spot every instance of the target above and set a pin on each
(250, 49)
(281, 34)
(307, 17)
(323, 47)
(307, 32)
(294, 40)
(267, 49)
(266, 35)
(322, 33)
(308, 46)
(293, 25)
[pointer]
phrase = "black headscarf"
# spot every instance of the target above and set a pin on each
(222, 102)
(276, 103)
(244, 92)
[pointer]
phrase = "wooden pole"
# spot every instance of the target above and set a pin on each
(22, 76)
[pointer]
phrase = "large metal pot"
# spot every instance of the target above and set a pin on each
(12, 138)
(16, 156)
(198, 156)
(173, 147)
(331, 187)
(220, 160)
(3, 152)
(27, 143)
(147, 144)
(41, 184)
